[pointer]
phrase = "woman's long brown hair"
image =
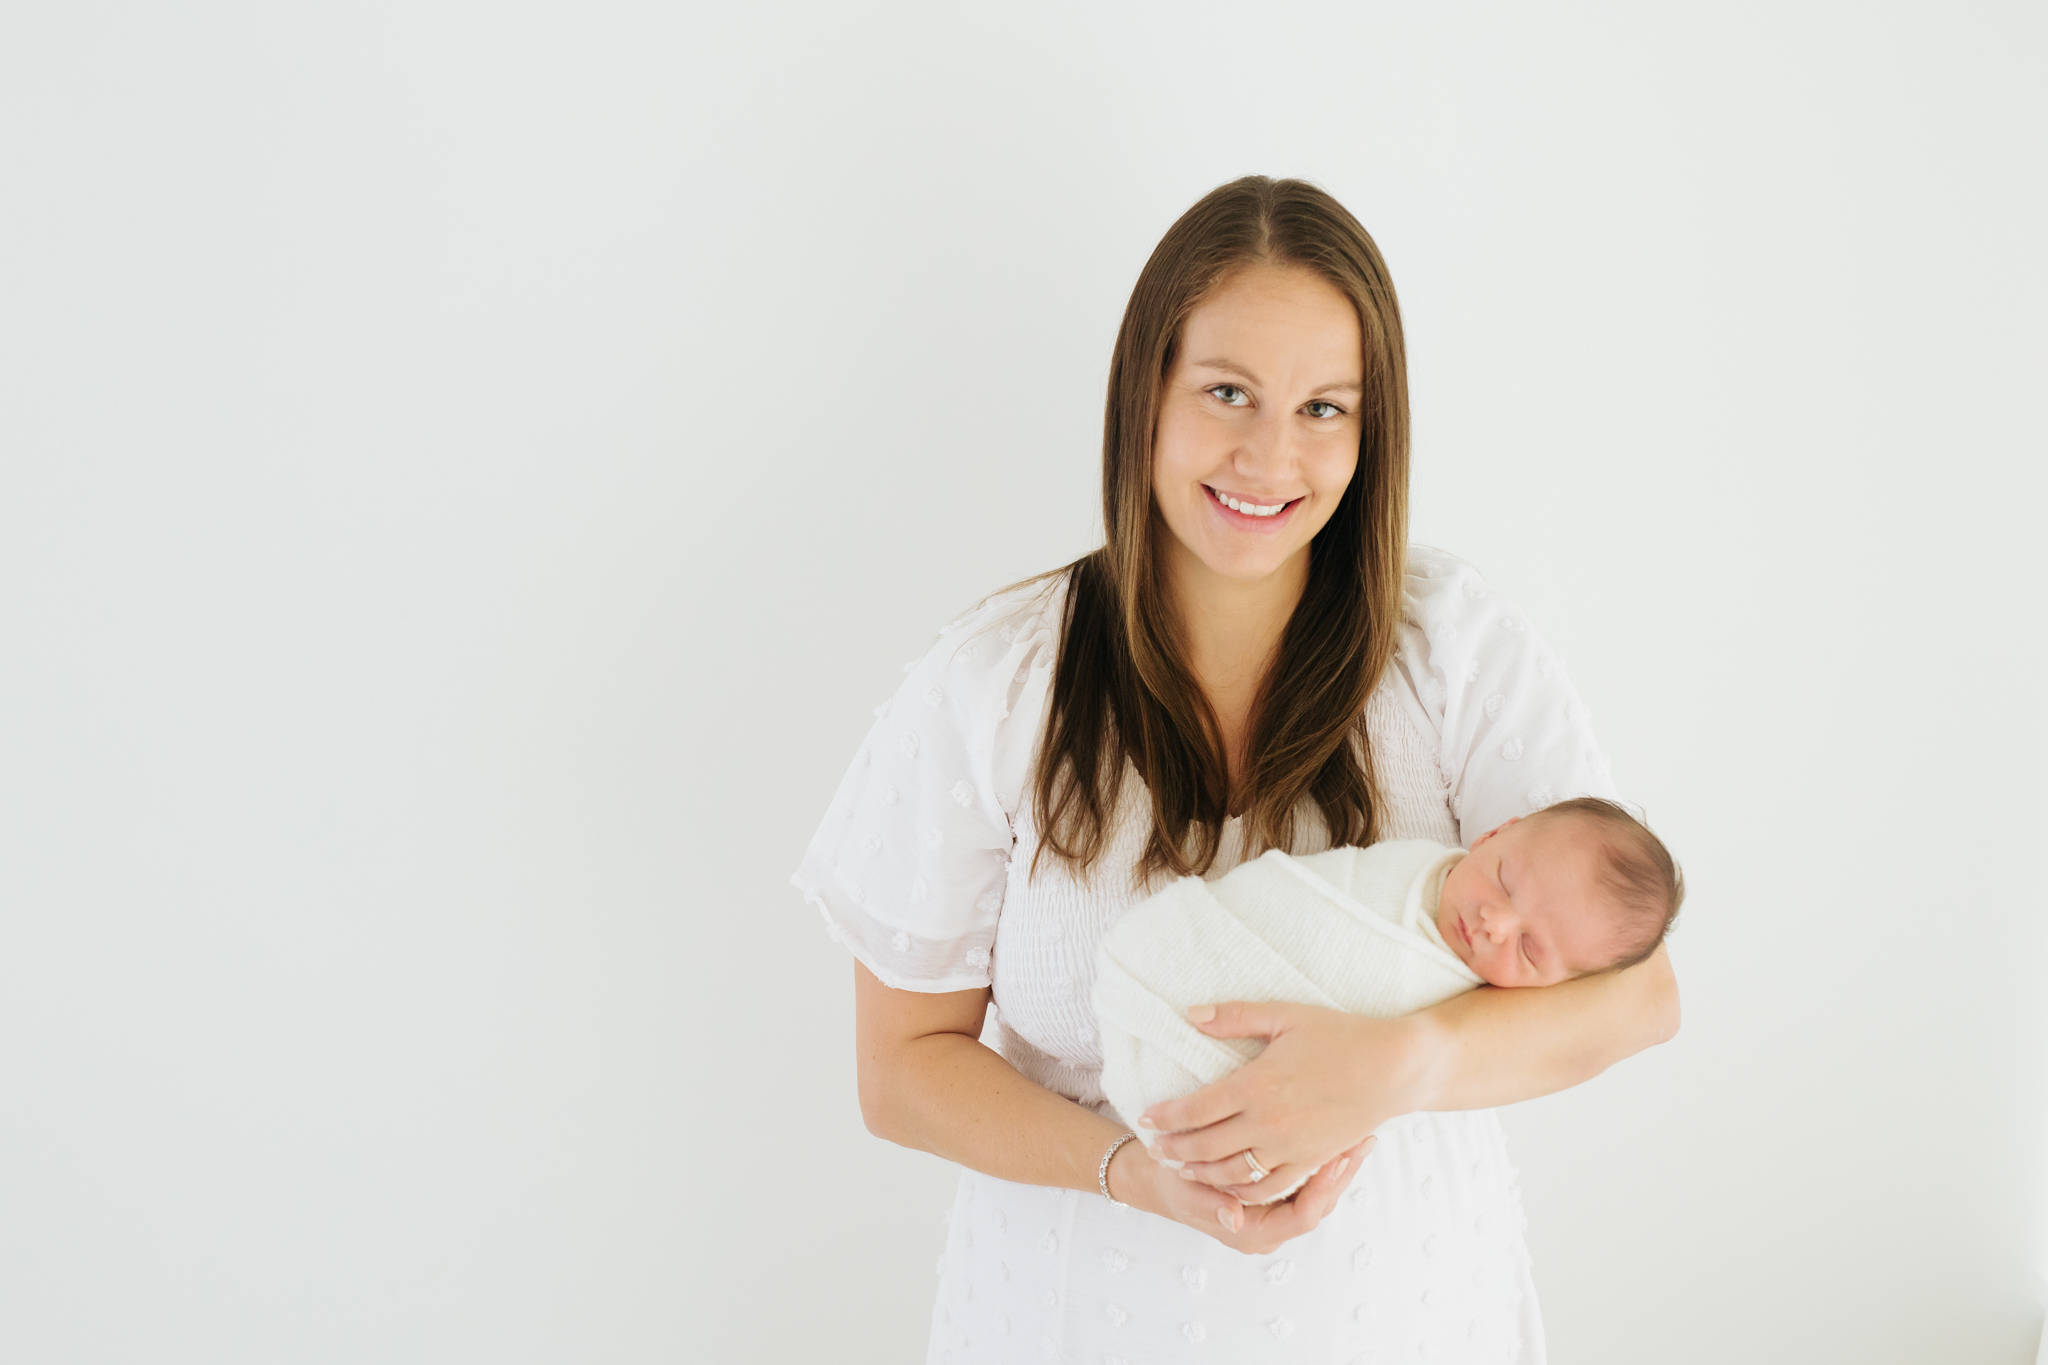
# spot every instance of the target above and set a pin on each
(1123, 689)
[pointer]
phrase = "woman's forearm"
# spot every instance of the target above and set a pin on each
(950, 1096)
(1490, 1047)
(941, 1091)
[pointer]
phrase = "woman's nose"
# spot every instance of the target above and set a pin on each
(1268, 446)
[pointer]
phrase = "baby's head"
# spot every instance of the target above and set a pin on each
(1576, 888)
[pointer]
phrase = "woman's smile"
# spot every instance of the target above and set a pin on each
(1249, 512)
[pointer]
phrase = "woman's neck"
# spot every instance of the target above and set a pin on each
(1232, 626)
(1231, 629)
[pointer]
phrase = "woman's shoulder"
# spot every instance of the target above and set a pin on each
(1453, 622)
(908, 865)
(1512, 733)
(1438, 584)
(982, 686)
(1025, 615)
(1006, 638)
(1449, 609)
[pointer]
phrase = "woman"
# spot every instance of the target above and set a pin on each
(1255, 658)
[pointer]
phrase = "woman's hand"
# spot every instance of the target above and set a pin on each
(1325, 1081)
(1143, 1183)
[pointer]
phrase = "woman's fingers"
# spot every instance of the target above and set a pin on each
(1224, 1175)
(1244, 1019)
(1227, 1212)
(1232, 1170)
(1211, 1210)
(1269, 1225)
(1320, 1194)
(1267, 1190)
(1213, 1103)
(1298, 1179)
(1260, 1228)
(1217, 1142)
(1266, 1226)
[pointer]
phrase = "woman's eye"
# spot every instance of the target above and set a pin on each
(1318, 408)
(1232, 394)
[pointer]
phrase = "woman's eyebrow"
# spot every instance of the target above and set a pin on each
(1227, 366)
(1350, 386)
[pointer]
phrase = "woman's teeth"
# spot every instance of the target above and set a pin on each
(1249, 509)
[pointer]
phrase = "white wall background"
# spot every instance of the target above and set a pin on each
(467, 471)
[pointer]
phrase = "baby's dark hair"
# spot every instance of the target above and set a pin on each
(1638, 871)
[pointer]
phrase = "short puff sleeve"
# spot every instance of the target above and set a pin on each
(1513, 735)
(908, 866)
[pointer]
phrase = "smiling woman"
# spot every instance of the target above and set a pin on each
(1240, 452)
(1254, 659)
(1260, 357)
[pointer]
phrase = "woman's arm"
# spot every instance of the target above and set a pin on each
(1512, 736)
(1489, 1047)
(1326, 1078)
(927, 1082)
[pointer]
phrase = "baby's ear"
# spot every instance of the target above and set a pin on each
(1511, 820)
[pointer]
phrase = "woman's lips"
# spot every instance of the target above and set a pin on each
(1245, 520)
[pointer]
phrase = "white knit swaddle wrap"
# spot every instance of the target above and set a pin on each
(1351, 929)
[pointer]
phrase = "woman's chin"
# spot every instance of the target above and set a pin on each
(1244, 564)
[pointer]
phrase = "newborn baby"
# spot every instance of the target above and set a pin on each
(1576, 888)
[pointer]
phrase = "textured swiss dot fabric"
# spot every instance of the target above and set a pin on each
(910, 865)
(1511, 734)
(922, 869)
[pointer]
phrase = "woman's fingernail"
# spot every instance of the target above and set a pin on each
(1228, 1217)
(1201, 1014)
(1147, 1123)
(1170, 1163)
(1369, 1144)
(1343, 1164)
(1185, 1173)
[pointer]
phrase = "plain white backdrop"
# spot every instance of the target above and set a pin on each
(467, 471)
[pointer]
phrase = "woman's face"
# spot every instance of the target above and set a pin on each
(1258, 423)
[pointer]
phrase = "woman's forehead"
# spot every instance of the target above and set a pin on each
(1274, 309)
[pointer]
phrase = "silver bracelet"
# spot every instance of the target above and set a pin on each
(1102, 1171)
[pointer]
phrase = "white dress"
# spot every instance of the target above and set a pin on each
(922, 869)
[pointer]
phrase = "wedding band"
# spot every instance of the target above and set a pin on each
(1258, 1172)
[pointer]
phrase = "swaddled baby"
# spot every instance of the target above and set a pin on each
(1576, 888)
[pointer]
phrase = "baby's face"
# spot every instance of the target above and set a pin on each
(1526, 907)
